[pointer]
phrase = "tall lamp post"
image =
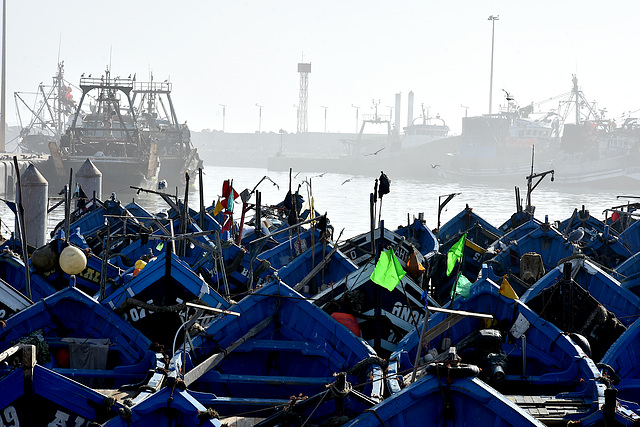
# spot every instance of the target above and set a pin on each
(466, 109)
(224, 113)
(493, 20)
(357, 108)
(259, 117)
(325, 118)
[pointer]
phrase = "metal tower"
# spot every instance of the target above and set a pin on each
(304, 69)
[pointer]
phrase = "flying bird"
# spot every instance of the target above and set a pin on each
(375, 152)
(345, 181)
(434, 166)
(319, 176)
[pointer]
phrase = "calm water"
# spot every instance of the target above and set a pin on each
(347, 203)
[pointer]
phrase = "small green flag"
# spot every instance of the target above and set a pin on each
(455, 254)
(388, 271)
(462, 287)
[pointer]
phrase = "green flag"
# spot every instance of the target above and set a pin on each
(388, 271)
(455, 254)
(461, 287)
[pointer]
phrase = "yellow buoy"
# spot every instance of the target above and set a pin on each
(72, 260)
(139, 265)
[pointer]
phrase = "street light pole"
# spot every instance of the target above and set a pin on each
(493, 20)
(357, 108)
(224, 113)
(259, 117)
(466, 109)
(325, 118)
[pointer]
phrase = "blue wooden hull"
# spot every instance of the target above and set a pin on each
(70, 321)
(165, 281)
(433, 401)
(296, 350)
(554, 363)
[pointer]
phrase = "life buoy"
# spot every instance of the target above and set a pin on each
(349, 321)
(462, 370)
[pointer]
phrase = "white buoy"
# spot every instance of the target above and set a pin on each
(72, 260)
(35, 193)
(89, 178)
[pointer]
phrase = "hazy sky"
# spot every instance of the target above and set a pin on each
(243, 53)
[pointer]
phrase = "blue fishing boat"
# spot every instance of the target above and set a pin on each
(584, 301)
(277, 346)
(519, 353)
(336, 405)
(530, 256)
(445, 401)
(79, 338)
(621, 363)
(13, 271)
(316, 269)
(479, 230)
(167, 282)
(168, 406)
(628, 273)
(50, 399)
(592, 278)
(361, 250)
(383, 316)
(11, 300)
(419, 236)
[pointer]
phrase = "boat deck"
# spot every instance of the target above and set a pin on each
(551, 409)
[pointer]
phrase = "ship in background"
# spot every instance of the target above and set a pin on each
(107, 132)
(128, 129)
(590, 150)
(378, 145)
(159, 124)
(49, 110)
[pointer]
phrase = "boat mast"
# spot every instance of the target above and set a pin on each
(576, 93)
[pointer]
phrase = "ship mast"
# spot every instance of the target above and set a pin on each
(576, 93)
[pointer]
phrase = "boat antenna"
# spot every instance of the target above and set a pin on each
(530, 178)
(59, 46)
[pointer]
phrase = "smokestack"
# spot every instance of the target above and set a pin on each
(410, 109)
(398, 104)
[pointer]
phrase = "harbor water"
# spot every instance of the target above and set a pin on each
(345, 198)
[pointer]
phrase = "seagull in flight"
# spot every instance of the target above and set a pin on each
(434, 166)
(375, 152)
(345, 181)
(319, 176)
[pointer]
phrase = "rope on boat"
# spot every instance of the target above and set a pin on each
(366, 363)
(209, 414)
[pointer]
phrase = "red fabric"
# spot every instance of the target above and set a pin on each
(349, 321)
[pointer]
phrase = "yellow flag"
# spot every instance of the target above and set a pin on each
(218, 208)
(507, 290)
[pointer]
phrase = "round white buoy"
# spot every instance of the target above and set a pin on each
(72, 260)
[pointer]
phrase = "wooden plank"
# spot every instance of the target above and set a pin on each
(463, 313)
(191, 376)
(9, 352)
